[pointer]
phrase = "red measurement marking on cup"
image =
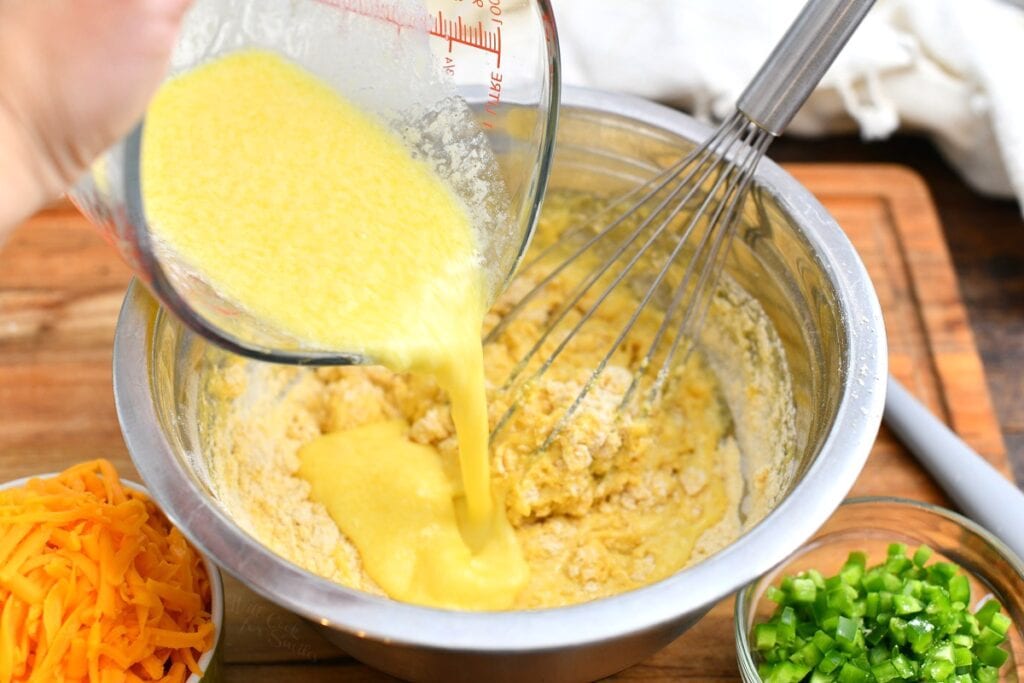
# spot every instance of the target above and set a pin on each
(378, 9)
(484, 35)
(454, 30)
(471, 35)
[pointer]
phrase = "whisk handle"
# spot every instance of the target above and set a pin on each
(799, 61)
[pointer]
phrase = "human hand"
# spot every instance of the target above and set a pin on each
(75, 76)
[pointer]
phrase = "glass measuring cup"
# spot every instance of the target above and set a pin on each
(471, 87)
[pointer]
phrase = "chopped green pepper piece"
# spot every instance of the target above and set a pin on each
(831, 662)
(851, 572)
(884, 601)
(1000, 623)
(922, 555)
(775, 595)
(913, 588)
(897, 550)
(885, 672)
(877, 634)
(818, 677)
(844, 599)
(785, 672)
(891, 582)
(962, 640)
(962, 657)
(830, 621)
(846, 631)
(906, 604)
(809, 654)
(822, 641)
(803, 590)
(764, 636)
(898, 628)
(942, 652)
(902, 665)
(939, 606)
(992, 655)
(985, 612)
(989, 636)
(938, 670)
(785, 629)
(919, 635)
(986, 674)
(871, 603)
(877, 655)
(900, 620)
(852, 674)
(872, 580)
(897, 565)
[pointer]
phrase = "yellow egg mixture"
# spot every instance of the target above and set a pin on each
(381, 478)
(315, 219)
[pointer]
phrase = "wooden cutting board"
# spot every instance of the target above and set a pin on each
(61, 287)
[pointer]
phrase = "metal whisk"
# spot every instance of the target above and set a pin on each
(678, 225)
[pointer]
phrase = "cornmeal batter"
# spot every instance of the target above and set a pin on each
(317, 220)
(313, 218)
(613, 505)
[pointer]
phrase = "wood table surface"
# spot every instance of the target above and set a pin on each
(61, 286)
(986, 242)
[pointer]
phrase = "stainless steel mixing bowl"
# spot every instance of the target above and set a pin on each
(791, 256)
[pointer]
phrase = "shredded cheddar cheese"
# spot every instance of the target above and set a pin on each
(96, 585)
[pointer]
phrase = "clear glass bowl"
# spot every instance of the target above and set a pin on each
(870, 525)
(472, 88)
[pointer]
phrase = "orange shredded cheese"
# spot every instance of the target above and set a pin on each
(96, 584)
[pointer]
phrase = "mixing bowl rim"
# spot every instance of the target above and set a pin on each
(744, 652)
(691, 591)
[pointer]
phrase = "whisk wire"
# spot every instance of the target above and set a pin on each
(733, 125)
(733, 173)
(707, 281)
(697, 202)
(658, 182)
(707, 161)
(722, 176)
(573, 299)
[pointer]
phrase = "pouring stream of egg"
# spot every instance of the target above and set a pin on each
(314, 218)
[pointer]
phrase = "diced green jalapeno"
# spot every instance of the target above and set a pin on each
(902, 619)
(922, 555)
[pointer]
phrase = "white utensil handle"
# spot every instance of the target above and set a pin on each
(977, 488)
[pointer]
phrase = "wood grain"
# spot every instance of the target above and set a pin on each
(985, 241)
(932, 348)
(60, 290)
(61, 286)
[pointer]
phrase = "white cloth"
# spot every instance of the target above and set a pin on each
(951, 68)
